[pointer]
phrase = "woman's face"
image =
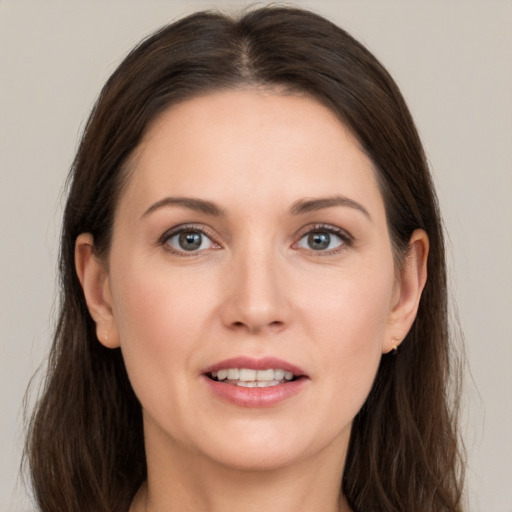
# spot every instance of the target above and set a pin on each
(251, 236)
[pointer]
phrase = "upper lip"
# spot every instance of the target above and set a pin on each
(263, 363)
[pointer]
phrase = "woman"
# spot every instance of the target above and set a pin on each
(246, 319)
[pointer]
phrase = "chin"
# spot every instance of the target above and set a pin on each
(268, 449)
(259, 458)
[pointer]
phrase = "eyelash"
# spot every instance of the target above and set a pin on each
(344, 236)
(164, 239)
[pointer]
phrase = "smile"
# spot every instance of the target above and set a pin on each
(255, 382)
(249, 378)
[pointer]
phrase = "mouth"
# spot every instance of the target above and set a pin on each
(250, 378)
(255, 382)
(248, 372)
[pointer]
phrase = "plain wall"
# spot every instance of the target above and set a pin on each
(452, 60)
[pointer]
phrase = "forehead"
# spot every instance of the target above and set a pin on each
(252, 148)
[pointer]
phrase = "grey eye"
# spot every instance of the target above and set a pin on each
(320, 241)
(189, 240)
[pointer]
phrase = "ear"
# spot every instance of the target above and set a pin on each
(93, 276)
(408, 289)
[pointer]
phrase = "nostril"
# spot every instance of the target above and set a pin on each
(275, 325)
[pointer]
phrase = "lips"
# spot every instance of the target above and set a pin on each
(264, 363)
(249, 378)
(252, 382)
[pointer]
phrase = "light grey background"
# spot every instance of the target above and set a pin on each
(452, 60)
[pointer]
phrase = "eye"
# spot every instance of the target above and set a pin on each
(188, 240)
(323, 239)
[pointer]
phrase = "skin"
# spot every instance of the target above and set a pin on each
(256, 287)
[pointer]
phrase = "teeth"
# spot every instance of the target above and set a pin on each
(279, 374)
(233, 374)
(265, 375)
(267, 383)
(257, 384)
(246, 377)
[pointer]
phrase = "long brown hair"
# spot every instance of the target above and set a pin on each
(85, 445)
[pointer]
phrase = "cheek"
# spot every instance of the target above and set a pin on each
(350, 309)
(157, 318)
(156, 303)
(348, 320)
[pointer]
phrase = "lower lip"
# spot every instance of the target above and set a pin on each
(256, 397)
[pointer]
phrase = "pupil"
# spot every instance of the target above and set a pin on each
(190, 240)
(319, 241)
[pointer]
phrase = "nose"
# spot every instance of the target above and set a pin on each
(255, 299)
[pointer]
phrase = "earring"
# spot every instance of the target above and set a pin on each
(394, 350)
(106, 336)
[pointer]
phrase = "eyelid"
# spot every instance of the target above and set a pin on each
(200, 228)
(345, 236)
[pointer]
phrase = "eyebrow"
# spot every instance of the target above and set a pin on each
(198, 205)
(310, 205)
(300, 207)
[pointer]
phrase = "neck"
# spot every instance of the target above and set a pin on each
(196, 483)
